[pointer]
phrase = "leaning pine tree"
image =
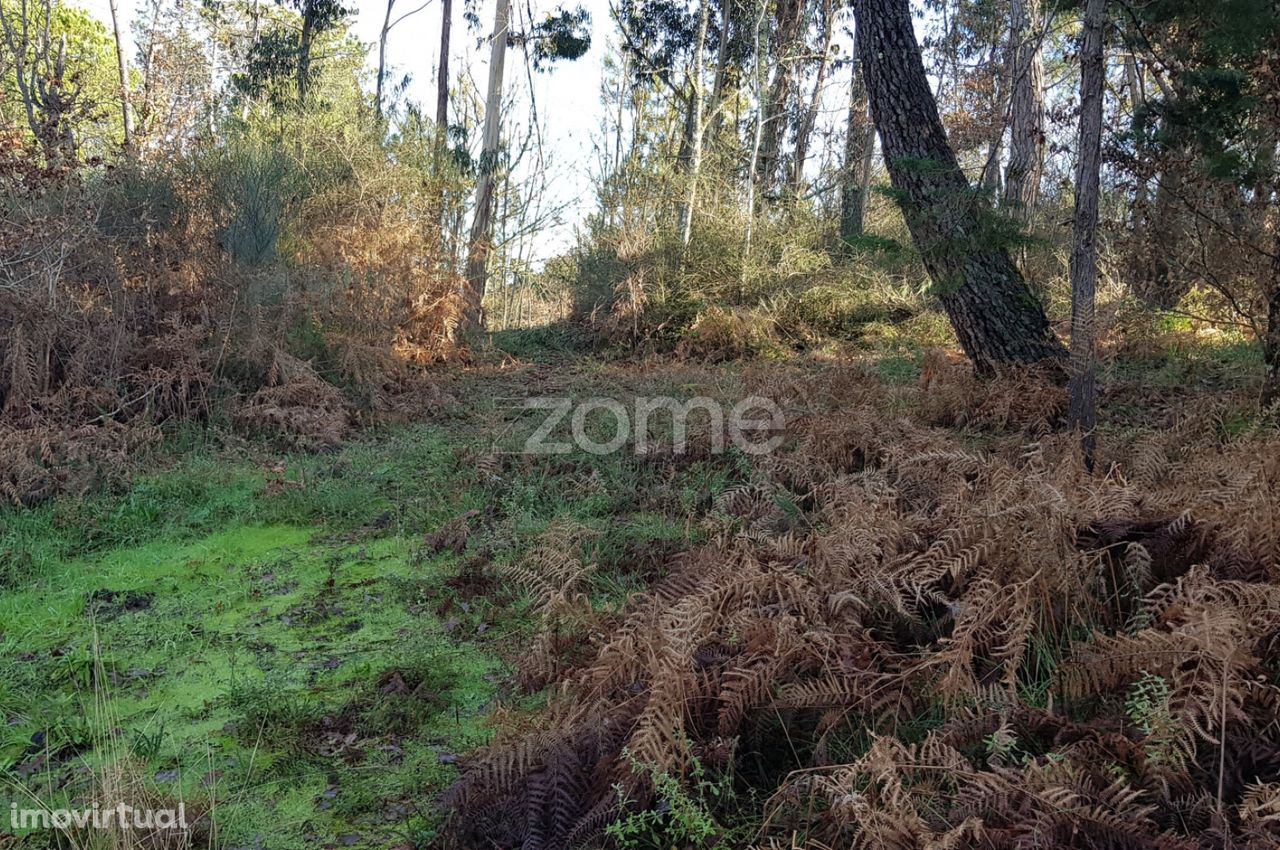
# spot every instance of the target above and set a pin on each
(996, 317)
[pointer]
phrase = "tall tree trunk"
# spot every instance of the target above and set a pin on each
(1156, 282)
(804, 130)
(695, 155)
(992, 178)
(722, 68)
(304, 50)
(788, 26)
(996, 317)
(858, 141)
(1084, 247)
(126, 108)
(382, 58)
(442, 75)
(482, 224)
(1026, 120)
(757, 136)
(1271, 341)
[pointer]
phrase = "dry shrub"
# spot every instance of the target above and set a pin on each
(1020, 398)
(92, 358)
(37, 463)
(296, 404)
(718, 334)
(1013, 592)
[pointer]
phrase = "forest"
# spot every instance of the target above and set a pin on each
(381, 453)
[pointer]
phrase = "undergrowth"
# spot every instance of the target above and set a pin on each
(903, 636)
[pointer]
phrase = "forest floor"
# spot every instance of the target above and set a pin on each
(301, 647)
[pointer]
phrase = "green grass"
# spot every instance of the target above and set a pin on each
(284, 643)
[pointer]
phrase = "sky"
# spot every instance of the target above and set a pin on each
(567, 96)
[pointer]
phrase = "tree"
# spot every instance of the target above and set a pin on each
(442, 75)
(788, 27)
(318, 16)
(859, 145)
(1084, 248)
(61, 73)
(562, 35)
(482, 224)
(995, 316)
(1026, 119)
(1215, 124)
(387, 26)
(826, 18)
(126, 108)
(697, 116)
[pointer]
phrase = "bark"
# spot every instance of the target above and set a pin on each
(482, 224)
(992, 179)
(126, 107)
(696, 107)
(858, 142)
(1084, 248)
(304, 50)
(382, 58)
(809, 120)
(996, 317)
(788, 25)
(442, 75)
(722, 65)
(1027, 114)
(1156, 282)
(1271, 341)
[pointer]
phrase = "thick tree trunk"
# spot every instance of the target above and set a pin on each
(858, 141)
(126, 107)
(996, 317)
(1026, 120)
(482, 224)
(442, 74)
(1084, 247)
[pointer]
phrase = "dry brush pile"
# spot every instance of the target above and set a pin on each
(901, 642)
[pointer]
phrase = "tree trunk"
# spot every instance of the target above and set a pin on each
(382, 58)
(695, 155)
(757, 137)
(992, 179)
(722, 65)
(809, 120)
(1026, 121)
(1084, 248)
(482, 225)
(788, 20)
(442, 75)
(304, 50)
(1271, 342)
(859, 140)
(996, 317)
(126, 108)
